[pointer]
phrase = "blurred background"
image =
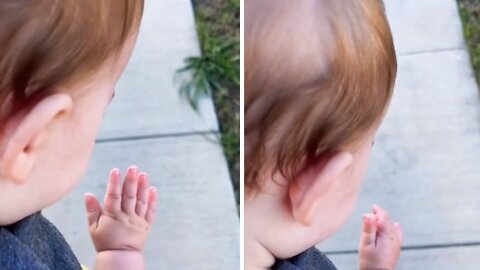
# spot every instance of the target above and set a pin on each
(425, 168)
(182, 79)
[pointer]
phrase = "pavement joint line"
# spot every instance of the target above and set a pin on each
(157, 136)
(415, 247)
(432, 51)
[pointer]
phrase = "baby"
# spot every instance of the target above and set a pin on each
(59, 63)
(319, 76)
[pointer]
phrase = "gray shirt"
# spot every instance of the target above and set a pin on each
(311, 259)
(35, 244)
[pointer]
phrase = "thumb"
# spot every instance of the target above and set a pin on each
(94, 209)
(369, 233)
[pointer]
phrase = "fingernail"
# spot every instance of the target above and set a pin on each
(143, 177)
(368, 219)
(132, 169)
(154, 192)
(88, 197)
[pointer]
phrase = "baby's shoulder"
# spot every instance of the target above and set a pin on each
(34, 243)
(311, 259)
(16, 255)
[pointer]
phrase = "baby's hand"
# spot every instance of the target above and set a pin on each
(380, 242)
(125, 220)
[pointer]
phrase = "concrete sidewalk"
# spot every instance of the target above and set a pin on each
(425, 168)
(149, 125)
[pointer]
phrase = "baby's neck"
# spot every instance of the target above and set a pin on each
(14, 203)
(257, 256)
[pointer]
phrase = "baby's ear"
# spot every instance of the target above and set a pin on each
(306, 190)
(25, 133)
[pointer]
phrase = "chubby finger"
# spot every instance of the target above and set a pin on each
(384, 225)
(399, 231)
(152, 205)
(142, 195)
(113, 196)
(369, 233)
(94, 210)
(129, 192)
(379, 212)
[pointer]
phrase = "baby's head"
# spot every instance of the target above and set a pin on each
(59, 63)
(319, 76)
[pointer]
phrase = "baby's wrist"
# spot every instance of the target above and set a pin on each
(131, 246)
(119, 251)
(119, 259)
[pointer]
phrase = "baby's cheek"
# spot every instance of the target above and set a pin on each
(82, 145)
(354, 177)
(360, 168)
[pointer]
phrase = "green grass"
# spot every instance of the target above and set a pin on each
(470, 14)
(216, 72)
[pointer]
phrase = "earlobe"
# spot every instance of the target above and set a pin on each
(306, 191)
(26, 134)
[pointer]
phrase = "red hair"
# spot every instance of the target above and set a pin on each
(50, 43)
(318, 75)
